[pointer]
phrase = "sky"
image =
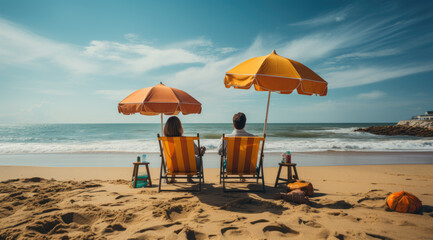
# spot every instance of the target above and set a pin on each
(74, 61)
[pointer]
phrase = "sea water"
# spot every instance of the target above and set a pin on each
(116, 145)
(142, 138)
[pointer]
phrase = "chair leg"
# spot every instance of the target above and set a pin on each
(263, 180)
(160, 177)
(202, 172)
(221, 170)
(224, 184)
(159, 186)
(296, 173)
(199, 182)
(278, 177)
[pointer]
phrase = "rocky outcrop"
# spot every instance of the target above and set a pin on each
(398, 130)
(417, 123)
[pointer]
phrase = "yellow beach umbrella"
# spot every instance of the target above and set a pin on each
(274, 73)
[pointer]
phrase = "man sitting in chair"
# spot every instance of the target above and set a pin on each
(239, 121)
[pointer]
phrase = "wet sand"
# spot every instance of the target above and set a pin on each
(212, 160)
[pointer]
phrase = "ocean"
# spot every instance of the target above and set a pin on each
(141, 138)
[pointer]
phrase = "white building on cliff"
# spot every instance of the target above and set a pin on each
(427, 116)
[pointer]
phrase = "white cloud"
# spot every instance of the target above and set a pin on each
(368, 35)
(312, 47)
(132, 37)
(24, 48)
(372, 54)
(367, 75)
(138, 58)
(21, 47)
(332, 17)
(200, 42)
(371, 95)
(226, 50)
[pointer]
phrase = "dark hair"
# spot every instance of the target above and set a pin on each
(173, 127)
(239, 120)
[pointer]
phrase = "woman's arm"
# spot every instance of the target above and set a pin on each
(200, 151)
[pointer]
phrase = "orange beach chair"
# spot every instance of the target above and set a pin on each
(178, 159)
(240, 160)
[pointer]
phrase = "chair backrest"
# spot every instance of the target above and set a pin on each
(242, 154)
(179, 154)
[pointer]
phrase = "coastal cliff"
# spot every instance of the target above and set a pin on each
(418, 128)
(416, 123)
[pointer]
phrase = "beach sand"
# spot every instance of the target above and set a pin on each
(87, 203)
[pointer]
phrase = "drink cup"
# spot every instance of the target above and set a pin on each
(288, 157)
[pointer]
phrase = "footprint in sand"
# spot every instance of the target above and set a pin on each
(310, 223)
(44, 225)
(179, 198)
(238, 219)
(373, 199)
(122, 196)
(339, 236)
(160, 227)
(280, 230)
(201, 217)
(377, 236)
(173, 211)
(259, 221)
(232, 231)
(115, 227)
(327, 203)
(73, 217)
(190, 234)
(337, 214)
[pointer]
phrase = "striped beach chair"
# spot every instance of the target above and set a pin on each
(178, 159)
(240, 160)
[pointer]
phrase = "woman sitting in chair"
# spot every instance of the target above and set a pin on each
(173, 128)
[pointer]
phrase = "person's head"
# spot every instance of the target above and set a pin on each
(239, 120)
(173, 127)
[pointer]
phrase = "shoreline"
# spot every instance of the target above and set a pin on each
(8, 172)
(212, 160)
(274, 152)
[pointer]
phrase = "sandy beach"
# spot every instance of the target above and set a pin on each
(98, 203)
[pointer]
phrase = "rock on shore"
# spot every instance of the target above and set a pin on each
(417, 123)
(398, 130)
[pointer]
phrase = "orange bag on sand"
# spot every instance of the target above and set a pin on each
(307, 187)
(403, 202)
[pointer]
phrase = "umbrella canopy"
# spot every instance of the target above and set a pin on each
(274, 73)
(159, 99)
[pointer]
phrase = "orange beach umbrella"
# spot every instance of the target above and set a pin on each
(274, 73)
(159, 99)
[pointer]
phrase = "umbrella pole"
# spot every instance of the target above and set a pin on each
(267, 110)
(162, 130)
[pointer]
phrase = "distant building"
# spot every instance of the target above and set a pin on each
(427, 116)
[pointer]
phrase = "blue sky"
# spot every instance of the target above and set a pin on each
(73, 61)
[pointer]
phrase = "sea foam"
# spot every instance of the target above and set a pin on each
(151, 146)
